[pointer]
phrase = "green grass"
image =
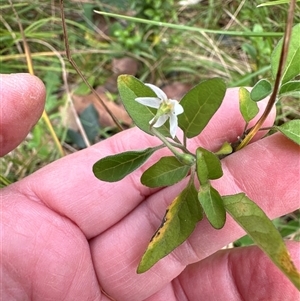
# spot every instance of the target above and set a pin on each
(164, 54)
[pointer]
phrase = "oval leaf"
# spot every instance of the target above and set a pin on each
(261, 89)
(248, 107)
(293, 58)
(208, 166)
(261, 229)
(178, 224)
(224, 150)
(212, 204)
(114, 168)
(167, 171)
(291, 130)
(199, 105)
(290, 87)
(130, 88)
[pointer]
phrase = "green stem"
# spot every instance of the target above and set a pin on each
(185, 158)
(273, 97)
(192, 176)
(165, 141)
(182, 147)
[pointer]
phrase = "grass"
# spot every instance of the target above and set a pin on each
(165, 55)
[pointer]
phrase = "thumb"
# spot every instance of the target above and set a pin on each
(22, 99)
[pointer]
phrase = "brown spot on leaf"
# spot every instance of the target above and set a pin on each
(287, 263)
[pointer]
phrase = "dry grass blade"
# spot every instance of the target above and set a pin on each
(45, 116)
(74, 65)
(66, 87)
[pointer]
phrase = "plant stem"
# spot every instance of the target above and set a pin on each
(164, 140)
(282, 60)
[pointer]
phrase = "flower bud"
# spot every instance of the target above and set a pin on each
(186, 159)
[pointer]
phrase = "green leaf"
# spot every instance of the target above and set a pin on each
(208, 165)
(90, 122)
(261, 89)
(130, 88)
(179, 222)
(166, 172)
(212, 204)
(248, 107)
(224, 150)
(75, 138)
(199, 105)
(246, 240)
(290, 87)
(291, 68)
(261, 229)
(291, 130)
(114, 168)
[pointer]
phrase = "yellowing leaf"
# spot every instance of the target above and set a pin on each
(248, 107)
(178, 224)
(225, 149)
(261, 229)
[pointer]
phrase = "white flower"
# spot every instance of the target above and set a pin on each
(166, 108)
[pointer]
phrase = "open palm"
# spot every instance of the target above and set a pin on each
(68, 236)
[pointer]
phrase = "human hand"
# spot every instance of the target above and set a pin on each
(69, 236)
(22, 103)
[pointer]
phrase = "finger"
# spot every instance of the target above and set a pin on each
(99, 205)
(266, 171)
(45, 256)
(22, 102)
(236, 274)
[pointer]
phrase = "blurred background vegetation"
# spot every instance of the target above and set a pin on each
(104, 47)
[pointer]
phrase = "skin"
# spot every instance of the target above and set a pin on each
(69, 236)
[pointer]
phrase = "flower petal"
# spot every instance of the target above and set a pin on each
(160, 93)
(173, 125)
(152, 102)
(160, 121)
(177, 107)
